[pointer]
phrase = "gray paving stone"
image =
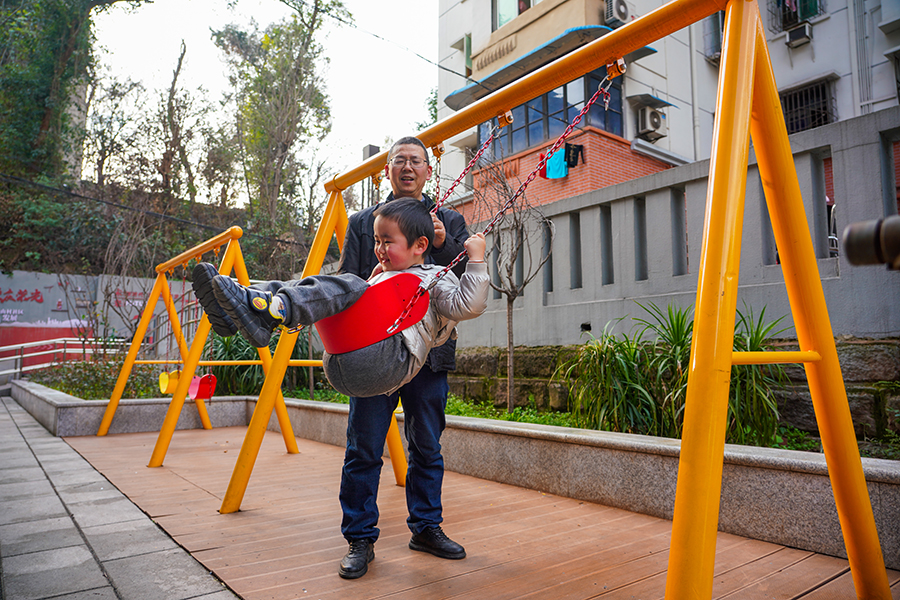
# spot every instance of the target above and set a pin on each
(24, 490)
(104, 511)
(22, 474)
(82, 476)
(105, 593)
(132, 538)
(38, 508)
(51, 573)
(65, 464)
(36, 536)
(89, 493)
(167, 575)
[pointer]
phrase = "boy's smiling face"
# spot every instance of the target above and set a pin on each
(392, 248)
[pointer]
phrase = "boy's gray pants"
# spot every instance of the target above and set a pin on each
(369, 371)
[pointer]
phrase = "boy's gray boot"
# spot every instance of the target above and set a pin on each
(201, 282)
(251, 310)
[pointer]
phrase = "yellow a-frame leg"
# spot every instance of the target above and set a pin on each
(748, 102)
(233, 259)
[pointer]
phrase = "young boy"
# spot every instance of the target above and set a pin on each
(404, 232)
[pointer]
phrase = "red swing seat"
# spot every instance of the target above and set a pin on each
(367, 321)
(202, 387)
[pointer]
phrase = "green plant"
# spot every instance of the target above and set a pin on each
(244, 380)
(95, 380)
(630, 384)
(752, 408)
(791, 438)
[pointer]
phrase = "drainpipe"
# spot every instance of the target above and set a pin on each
(862, 57)
(854, 59)
(695, 110)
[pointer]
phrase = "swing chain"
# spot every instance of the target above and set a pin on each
(420, 291)
(432, 280)
(601, 91)
(469, 166)
(437, 151)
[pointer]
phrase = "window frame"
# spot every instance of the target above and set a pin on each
(552, 125)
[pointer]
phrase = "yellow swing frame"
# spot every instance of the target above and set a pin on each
(233, 259)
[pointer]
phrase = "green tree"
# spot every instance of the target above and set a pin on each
(281, 103)
(431, 105)
(45, 55)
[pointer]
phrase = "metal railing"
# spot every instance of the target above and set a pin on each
(58, 350)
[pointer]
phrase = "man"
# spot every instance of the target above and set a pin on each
(424, 398)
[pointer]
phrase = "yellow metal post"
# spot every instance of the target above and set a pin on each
(181, 390)
(334, 218)
(187, 373)
(807, 299)
(698, 491)
(284, 421)
(395, 450)
(132, 355)
(171, 309)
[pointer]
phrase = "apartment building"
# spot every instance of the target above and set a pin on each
(833, 60)
(628, 214)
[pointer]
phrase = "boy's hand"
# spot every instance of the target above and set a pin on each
(378, 269)
(475, 247)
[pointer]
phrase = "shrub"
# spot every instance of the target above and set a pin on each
(628, 384)
(95, 380)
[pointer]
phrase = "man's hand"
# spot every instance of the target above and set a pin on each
(440, 233)
(475, 247)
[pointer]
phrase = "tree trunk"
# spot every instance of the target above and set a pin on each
(510, 375)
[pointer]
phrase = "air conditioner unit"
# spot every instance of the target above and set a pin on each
(651, 123)
(618, 12)
(798, 35)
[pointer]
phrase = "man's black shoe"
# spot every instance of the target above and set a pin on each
(435, 541)
(202, 277)
(251, 310)
(356, 562)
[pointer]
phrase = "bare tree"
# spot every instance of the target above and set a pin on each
(112, 123)
(177, 121)
(520, 246)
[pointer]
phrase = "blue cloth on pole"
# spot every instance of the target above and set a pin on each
(556, 165)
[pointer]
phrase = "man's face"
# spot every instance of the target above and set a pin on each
(408, 180)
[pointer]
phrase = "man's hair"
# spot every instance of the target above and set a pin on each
(412, 217)
(408, 140)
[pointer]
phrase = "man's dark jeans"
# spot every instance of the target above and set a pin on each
(424, 400)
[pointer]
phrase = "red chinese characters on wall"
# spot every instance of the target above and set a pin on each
(21, 296)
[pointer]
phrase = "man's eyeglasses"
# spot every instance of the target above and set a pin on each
(414, 161)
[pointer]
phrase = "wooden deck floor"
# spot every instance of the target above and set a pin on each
(285, 543)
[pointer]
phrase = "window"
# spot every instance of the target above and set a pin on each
(507, 10)
(467, 49)
(546, 117)
(808, 107)
(787, 14)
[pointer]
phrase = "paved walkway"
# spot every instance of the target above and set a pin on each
(66, 533)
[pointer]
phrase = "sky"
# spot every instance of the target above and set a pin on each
(378, 88)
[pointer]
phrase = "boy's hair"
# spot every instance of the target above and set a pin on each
(412, 217)
(408, 140)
